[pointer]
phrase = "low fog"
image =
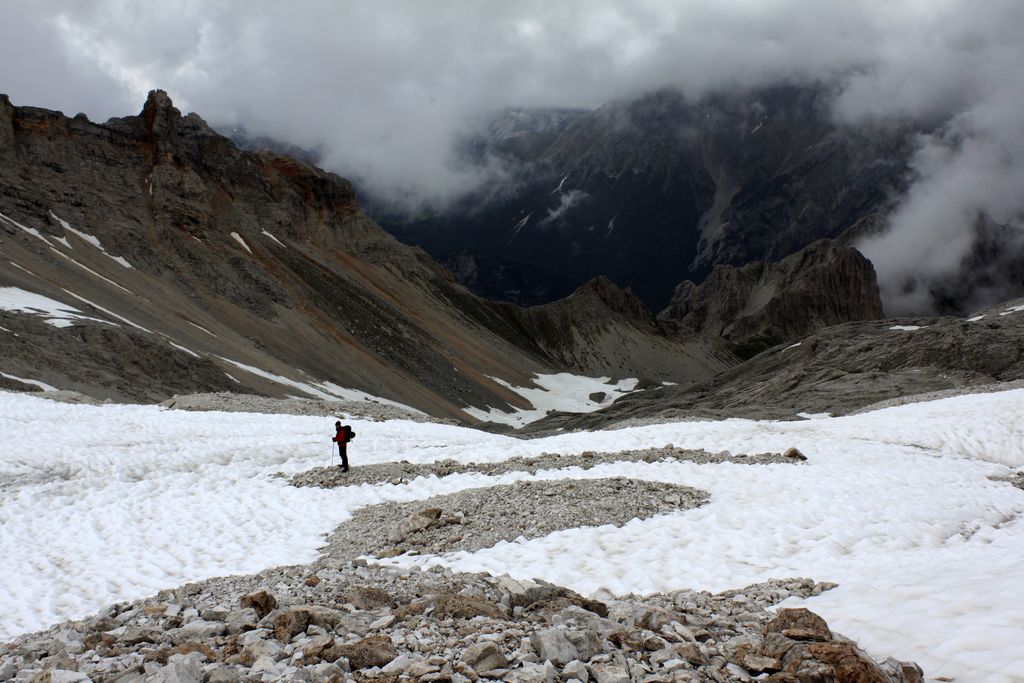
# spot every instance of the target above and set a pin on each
(384, 89)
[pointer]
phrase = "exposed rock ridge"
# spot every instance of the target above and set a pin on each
(824, 284)
(235, 257)
(839, 370)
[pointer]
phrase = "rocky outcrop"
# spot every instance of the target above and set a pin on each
(601, 325)
(839, 370)
(212, 268)
(764, 304)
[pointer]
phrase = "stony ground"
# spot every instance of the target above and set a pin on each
(403, 472)
(341, 621)
(479, 518)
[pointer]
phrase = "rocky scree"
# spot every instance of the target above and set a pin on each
(403, 472)
(339, 621)
(479, 518)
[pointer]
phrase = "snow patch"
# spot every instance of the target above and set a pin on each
(519, 226)
(182, 348)
(200, 327)
(975, 318)
(343, 393)
(561, 392)
(908, 328)
(57, 314)
(1013, 309)
(895, 505)
(32, 231)
(611, 226)
(328, 391)
(792, 346)
(109, 312)
(91, 239)
(34, 382)
(91, 271)
(271, 237)
(238, 238)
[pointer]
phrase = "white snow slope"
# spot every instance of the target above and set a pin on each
(107, 503)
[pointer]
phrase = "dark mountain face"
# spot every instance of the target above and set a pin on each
(762, 304)
(661, 189)
(196, 266)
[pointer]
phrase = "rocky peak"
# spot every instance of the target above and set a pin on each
(601, 298)
(159, 115)
(6, 124)
(769, 303)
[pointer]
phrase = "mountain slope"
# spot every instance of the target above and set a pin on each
(839, 370)
(220, 269)
(659, 189)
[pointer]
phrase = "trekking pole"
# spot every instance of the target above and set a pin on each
(332, 454)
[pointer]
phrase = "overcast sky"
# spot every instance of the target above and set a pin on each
(384, 86)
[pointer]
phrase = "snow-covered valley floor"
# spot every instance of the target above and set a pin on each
(107, 503)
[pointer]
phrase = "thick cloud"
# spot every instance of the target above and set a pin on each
(384, 88)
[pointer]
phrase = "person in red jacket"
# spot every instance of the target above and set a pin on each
(342, 437)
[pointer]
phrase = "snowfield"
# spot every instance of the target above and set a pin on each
(107, 503)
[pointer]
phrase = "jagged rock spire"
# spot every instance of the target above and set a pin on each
(160, 115)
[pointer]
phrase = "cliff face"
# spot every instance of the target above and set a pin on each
(210, 268)
(769, 303)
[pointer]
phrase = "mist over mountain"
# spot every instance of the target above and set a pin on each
(387, 94)
(659, 189)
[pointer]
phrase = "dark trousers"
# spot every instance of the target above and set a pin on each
(343, 452)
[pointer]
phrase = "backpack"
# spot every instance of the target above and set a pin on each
(349, 434)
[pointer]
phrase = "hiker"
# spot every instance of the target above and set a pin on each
(342, 437)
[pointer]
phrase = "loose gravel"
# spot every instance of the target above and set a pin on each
(403, 472)
(479, 518)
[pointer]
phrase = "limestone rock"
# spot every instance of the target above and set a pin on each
(848, 662)
(577, 670)
(140, 634)
(419, 520)
(371, 651)
(61, 676)
(770, 303)
(180, 669)
(799, 624)
(199, 629)
(553, 645)
(532, 673)
(794, 454)
(609, 673)
(484, 656)
(263, 602)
